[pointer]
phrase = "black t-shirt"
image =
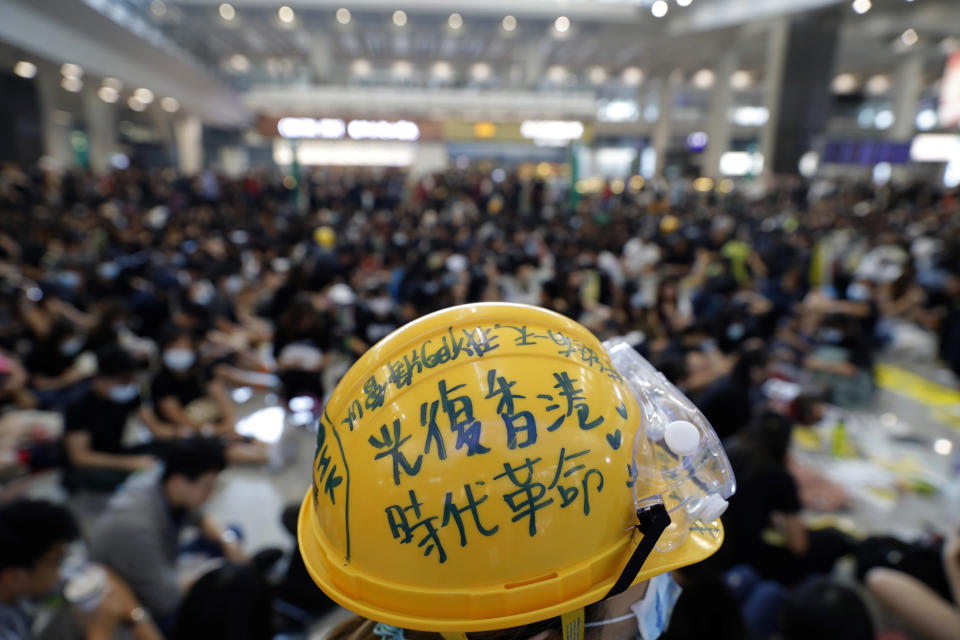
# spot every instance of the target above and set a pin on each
(760, 493)
(102, 418)
(371, 327)
(185, 388)
(46, 359)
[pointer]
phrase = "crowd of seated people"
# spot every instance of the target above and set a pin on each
(142, 297)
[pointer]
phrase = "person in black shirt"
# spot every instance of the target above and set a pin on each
(727, 402)
(181, 381)
(95, 422)
(55, 375)
(767, 498)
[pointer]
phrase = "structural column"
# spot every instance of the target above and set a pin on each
(661, 129)
(719, 127)
(56, 129)
(804, 102)
(772, 86)
(188, 132)
(100, 119)
(907, 88)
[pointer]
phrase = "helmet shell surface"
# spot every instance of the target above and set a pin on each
(474, 471)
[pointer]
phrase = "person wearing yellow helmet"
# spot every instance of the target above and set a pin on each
(495, 467)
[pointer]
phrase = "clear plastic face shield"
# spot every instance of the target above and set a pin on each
(678, 459)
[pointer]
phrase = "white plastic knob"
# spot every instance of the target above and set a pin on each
(682, 437)
(713, 507)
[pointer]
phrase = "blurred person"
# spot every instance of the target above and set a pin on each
(728, 402)
(925, 611)
(823, 609)
(189, 398)
(303, 340)
(34, 536)
(95, 424)
(138, 535)
(768, 499)
(57, 374)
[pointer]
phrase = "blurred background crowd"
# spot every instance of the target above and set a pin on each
(146, 300)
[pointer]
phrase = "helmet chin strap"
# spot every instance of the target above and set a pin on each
(651, 521)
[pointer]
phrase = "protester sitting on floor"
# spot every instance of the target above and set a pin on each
(138, 535)
(767, 499)
(189, 399)
(34, 535)
(95, 424)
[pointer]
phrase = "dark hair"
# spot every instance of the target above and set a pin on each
(820, 608)
(193, 457)
(229, 602)
(30, 528)
(171, 334)
(114, 360)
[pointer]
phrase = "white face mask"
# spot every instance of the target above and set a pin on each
(179, 359)
(123, 393)
(652, 613)
(71, 347)
(380, 306)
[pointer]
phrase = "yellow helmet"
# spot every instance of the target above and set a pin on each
(669, 224)
(325, 236)
(489, 465)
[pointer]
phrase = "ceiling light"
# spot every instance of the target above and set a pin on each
(399, 18)
(659, 8)
(741, 79)
(285, 14)
(632, 76)
(144, 95)
(240, 62)
(556, 74)
(227, 12)
(878, 84)
(598, 75)
(481, 71)
(170, 105)
(909, 37)
(158, 8)
(927, 119)
(72, 84)
(455, 21)
(684, 3)
(136, 104)
(70, 70)
(113, 83)
(844, 83)
(861, 6)
(704, 79)
(343, 15)
(442, 70)
(943, 446)
(25, 69)
(562, 24)
(402, 69)
(108, 94)
(361, 67)
(883, 120)
(509, 23)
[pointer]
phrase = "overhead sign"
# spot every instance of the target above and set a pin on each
(935, 147)
(337, 128)
(550, 132)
